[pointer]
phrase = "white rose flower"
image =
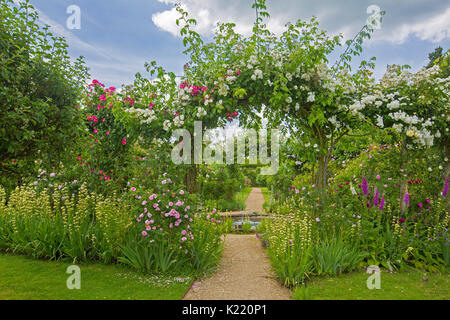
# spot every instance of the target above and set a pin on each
(201, 112)
(393, 105)
(380, 122)
(167, 125)
(259, 74)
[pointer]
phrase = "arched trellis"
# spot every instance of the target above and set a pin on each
(251, 73)
(288, 73)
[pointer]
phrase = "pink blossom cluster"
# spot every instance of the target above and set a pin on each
(130, 100)
(165, 212)
(232, 115)
(103, 175)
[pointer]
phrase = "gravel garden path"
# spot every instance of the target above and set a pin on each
(244, 272)
(255, 201)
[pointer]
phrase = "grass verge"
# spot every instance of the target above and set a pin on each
(22, 278)
(238, 202)
(267, 199)
(415, 285)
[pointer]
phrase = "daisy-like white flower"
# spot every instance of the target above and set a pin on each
(201, 112)
(311, 97)
(167, 125)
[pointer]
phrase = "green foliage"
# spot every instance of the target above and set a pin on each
(293, 266)
(39, 93)
(207, 247)
(159, 255)
(335, 257)
(352, 226)
(301, 293)
(55, 224)
(246, 227)
(222, 188)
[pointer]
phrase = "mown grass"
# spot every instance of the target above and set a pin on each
(238, 202)
(22, 278)
(414, 285)
(267, 198)
(242, 196)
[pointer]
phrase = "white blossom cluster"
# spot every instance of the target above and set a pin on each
(201, 112)
(178, 121)
(145, 116)
(184, 95)
(401, 109)
(167, 125)
(408, 125)
(258, 74)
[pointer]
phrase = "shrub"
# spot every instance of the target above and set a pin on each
(55, 224)
(335, 257)
(39, 91)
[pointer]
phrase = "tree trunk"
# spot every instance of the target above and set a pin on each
(321, 178)
(190, 179)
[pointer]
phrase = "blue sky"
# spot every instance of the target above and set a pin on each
(118, 36)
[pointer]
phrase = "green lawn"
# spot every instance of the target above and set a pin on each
(267, 198)
(25, 278)
(243, 195)
(398, 286)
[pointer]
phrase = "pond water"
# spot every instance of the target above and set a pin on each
(254, 221)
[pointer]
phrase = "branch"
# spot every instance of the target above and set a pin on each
(358, 135)
(330, 151)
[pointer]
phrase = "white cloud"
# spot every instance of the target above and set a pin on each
(425, 20)
(166, 21)
(434, 29)
(207, 13)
